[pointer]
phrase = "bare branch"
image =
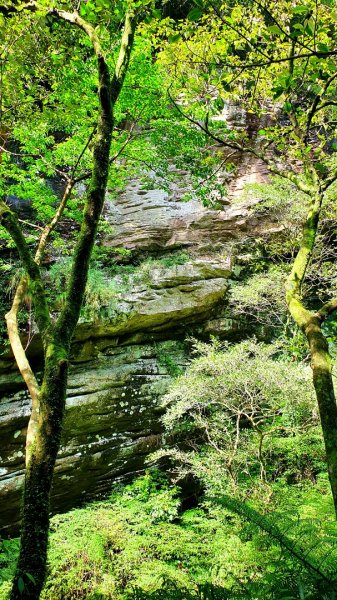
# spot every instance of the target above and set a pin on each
(273, 168)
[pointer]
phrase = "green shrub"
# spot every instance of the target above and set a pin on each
(233, 406)
(140, 544)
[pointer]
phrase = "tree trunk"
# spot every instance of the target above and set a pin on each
(31, 568)
(323, 383)
(42, 452)
(310, 323)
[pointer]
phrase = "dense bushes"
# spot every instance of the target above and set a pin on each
(243, 421)
(140, 545)
(248, 410)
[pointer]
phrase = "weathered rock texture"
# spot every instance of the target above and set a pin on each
(121, 366)
(111, 423)
(119, 372)
(156, 221)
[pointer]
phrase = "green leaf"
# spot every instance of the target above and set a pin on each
(287, 106)
(278, 92)
(226, 86)
(174, 38)
(21, 585)
(275, 29)
(323, 47)
(309, 27)
(195, 14)
(31, 578)
(320, 167)
(219, 103)
(297, 10)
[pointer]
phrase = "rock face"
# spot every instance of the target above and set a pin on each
(121, 366)
(156, 220)
(112, 421)
(181, 294)
(120, 370)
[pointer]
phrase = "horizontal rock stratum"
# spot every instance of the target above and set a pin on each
(120, 370)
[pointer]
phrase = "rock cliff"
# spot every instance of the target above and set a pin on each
(122, 365)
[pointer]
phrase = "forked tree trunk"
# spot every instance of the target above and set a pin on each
(50, 401)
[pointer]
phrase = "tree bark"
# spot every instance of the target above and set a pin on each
(325, 394)
(310, 323)
(31, 568)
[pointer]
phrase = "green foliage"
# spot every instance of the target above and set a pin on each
(107, 281)
(152, 495)
(235, 404)
(260, 297)
(171, 260)
(169, 355)
(170, 364)
(280, 198)
(100, 296)
(8, 550)
(140, 544)
(294, 344)
(243, 416)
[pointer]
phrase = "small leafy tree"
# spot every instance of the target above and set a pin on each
(241, 420)
(236, 402)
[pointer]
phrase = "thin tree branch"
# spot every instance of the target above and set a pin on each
(316, 106)
(327, 309)
(9, 220)
(291, 176)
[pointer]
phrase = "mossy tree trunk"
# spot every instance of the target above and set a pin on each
(311, 324)
(323, 382)
(49, 400)
(31, 567)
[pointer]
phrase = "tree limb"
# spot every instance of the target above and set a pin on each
(300, 314)
(22, 361)
(109, 90)
(75, 19)
(273, 168)
(327, 309)
(9, 220)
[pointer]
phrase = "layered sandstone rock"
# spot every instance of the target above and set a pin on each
(115, 385)
(156, 221)
(121, 366)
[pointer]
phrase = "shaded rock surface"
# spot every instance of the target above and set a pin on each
(112, 422)
(120, 370)
(121, 366)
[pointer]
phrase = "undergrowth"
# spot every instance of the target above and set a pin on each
(141, 544)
